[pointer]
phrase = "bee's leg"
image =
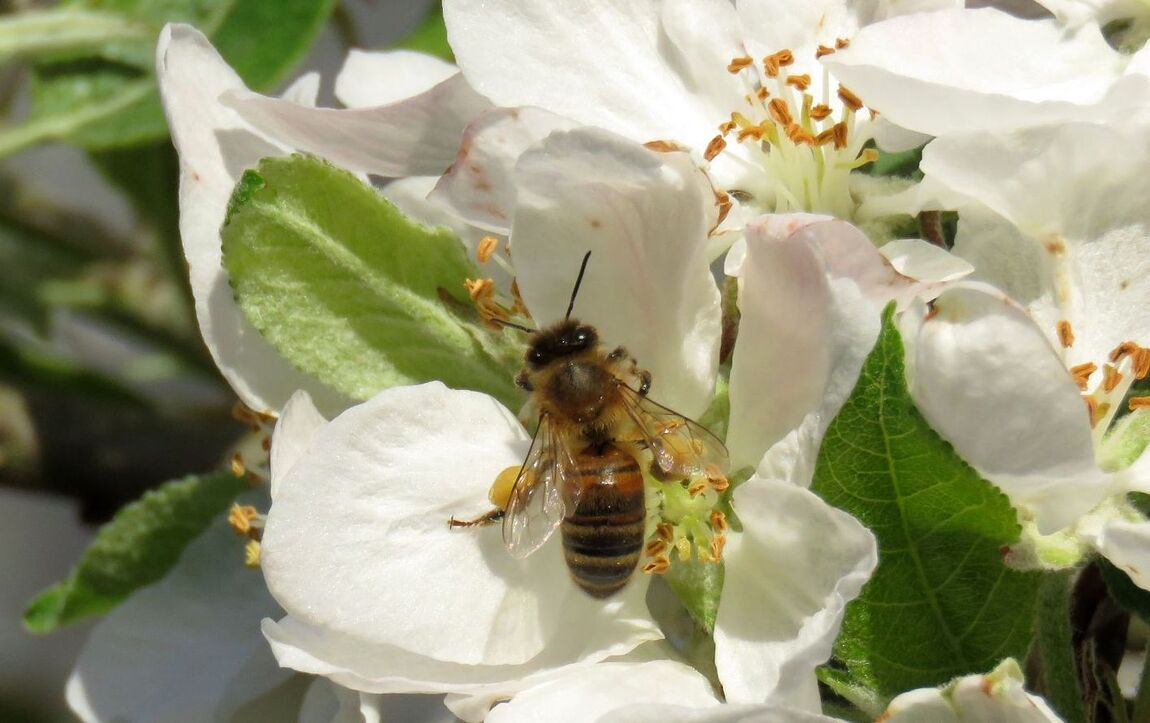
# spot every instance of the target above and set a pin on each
(486, 518)
(621, 355)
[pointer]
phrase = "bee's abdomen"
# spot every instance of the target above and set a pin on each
(603, 537)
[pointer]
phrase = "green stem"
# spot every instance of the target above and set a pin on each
(1055, 641)
(65, 30)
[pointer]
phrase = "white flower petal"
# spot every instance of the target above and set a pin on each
(292, 437)
(417, 136)
(326, 702)
(373, 78)
(988, 381)
(789, 576)
(714, 714)
(810, 300)
(358, 551)
(480, 186)
(304, 90)
(1040, 72)
(648, 286)
(215, 145)
(997, 696)
(1126, 544)
(1099, 12)
(924, 261)
(196, 633)
(588, 694)
(608, 64)
(893, 139)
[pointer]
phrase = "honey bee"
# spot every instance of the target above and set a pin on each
(583, 473)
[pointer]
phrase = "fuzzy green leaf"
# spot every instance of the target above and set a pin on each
(135, 549)
(430, 37)
(941, 602)
(350, 290)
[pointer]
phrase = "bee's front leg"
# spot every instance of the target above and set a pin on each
(486, 518)
(620, 356)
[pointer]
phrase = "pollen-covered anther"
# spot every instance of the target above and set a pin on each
(252, 553)
(660, 146)
(253, 419)
(823, 51)
(683, 547)
(1139, 403)
(718, 542)
(739, 64)
(714, 148)
(772, 63)
(246, 521)
(1122, 351)
(821, 111)
(665, 531)
(239, 469)
(716, 478)
(718, 521)
(658, 566)
(802, 82)
(1081, 374)
(1111, 377)
(762, 94)
(724, 204)
(753, 132)
(849, 99)
(841, 43)
(486, 248)
(1141, 363)
(1065, 334)
(697, 487)
(654, 548)
(727, 127)
(520, 307)
(799, 136)
(840, 135)
(780, 112)
(1092, 409)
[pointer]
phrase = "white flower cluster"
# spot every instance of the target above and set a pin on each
(663, 136)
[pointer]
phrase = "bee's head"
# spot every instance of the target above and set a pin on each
(562, 339)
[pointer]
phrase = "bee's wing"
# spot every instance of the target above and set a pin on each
(536, 505)
(680, 446)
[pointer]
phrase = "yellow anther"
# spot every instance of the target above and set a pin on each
(243, 519)
(1092, 410)
(753, 132)
(1139, 403)
(823, 51)
(799, 136)
(849, 99)
(714, 148)
(654, 548)
(762, 94)
(727, 127)
(716, 478)
(1082, 372)
(252, 553)
(841, 43)
(664, 146)
(697, 487)
(840, 131)
(1065, 334)
(821, 111)
(718, 542)
(718, 521)
(827, 136)
(486, 248)
(802, 82)
(738, 64)
(780, 112)
(255, 420)
(519, 307)
(237, 465)
(1111, 377)
(658, 566)
(665, 532)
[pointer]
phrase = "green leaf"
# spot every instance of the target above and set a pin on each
(941, 602)
(1124, 591)
(903, 164)
(99, 103)
(135, 549)
(348, 288)
(430, 37)
(66, 31)
(866, 700)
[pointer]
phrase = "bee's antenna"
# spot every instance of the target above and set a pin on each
(578, 280)
(513, 325)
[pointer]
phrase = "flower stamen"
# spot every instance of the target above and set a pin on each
(1065, 334)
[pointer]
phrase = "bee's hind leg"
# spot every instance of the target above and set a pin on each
(487, 518)
(643, 377)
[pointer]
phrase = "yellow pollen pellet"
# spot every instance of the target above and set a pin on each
(1065, 334)
(683, 547)
(841, 43)
(823, 51)
(486, 247)
(802, 82)
(821, 111)
(1110, 377)
(1139, 403)
(1082, 372)
(780, 112)
(237, 464)
(849, 99)
(738, 64)
(714, 148)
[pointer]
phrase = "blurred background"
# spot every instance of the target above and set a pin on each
(106, 389)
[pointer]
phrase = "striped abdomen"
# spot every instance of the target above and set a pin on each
(603, 537)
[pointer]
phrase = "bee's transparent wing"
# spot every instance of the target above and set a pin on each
(680, 446)
(536, 505)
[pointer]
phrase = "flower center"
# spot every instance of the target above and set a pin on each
(684, 517)
(797, 145)
(1126, 363)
